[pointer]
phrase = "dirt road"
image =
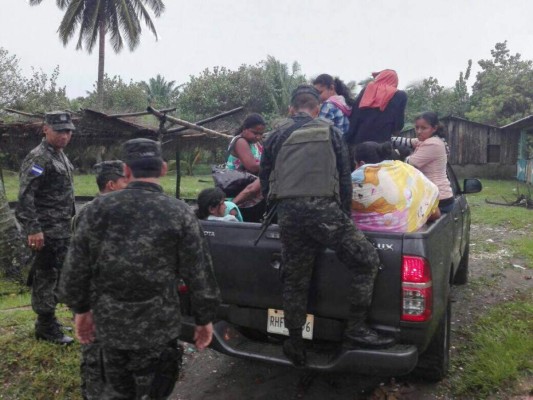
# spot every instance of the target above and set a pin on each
(493, 279)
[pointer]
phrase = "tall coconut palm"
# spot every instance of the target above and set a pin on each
(121, 19)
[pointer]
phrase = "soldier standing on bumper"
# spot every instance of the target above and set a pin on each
(121, 276)
(45, 208)
(305, 167)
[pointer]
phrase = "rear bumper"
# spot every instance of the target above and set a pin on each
(397, 360)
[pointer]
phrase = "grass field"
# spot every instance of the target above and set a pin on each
(500, 343)
(85, 185)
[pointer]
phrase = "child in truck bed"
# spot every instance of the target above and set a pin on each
(212, 206)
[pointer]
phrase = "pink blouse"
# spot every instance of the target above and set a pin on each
(430, 158)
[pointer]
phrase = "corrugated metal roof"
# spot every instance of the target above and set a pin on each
(520, 123)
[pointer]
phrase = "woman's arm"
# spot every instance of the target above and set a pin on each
(242, 152)
(425, 153)
(249, 192)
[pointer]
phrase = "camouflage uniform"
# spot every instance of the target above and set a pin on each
(134, 245)
(92, 381)
(310, 224)
(46, 204)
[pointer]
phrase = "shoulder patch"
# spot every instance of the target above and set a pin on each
(36, 170)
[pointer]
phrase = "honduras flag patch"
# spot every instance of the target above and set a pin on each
(36, 170)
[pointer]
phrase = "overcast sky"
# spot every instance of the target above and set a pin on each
(348, 38)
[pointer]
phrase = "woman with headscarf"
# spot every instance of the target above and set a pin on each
(379, 110)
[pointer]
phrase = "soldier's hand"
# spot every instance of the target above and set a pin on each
(203, 335)
(85, 328)
(36, 241)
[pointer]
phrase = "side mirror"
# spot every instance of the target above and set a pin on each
(472, 185)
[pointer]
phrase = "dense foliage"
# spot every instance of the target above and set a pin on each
(36, 94)
(501, 93)
(263, 88)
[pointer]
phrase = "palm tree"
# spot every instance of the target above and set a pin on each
(160, 92)
(97, 18)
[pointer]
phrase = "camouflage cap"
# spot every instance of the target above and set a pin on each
(107, 169)
(141, 150)
(305, 89)
(59, 121)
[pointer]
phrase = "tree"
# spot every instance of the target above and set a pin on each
(281, 82)
(461, 97)
(38, 94)
(11, 81)
(97, 18)
(503, 91)
(263, 88)
(160, 92)
(41, 93)
(428, 95)
(119, 96)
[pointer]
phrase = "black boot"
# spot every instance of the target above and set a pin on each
(294, 348)
(46, 328)
(62, 327)
(360, 335)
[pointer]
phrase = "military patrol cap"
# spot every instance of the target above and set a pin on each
(109, 169)
(59, 121)
(305, 89)
(136, 150)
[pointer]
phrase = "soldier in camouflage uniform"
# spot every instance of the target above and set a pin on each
(109, 178)
(305, 168)
(121, 276)
(45, 208)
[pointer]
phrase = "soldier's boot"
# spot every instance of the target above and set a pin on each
(47, 329)
(61, 326)
(294, 348)
(359, 335)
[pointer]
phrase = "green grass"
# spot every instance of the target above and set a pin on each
(523, 248)
(498, 353)
(31, 369)
(500, 191)
(498, 350)
(85, 185)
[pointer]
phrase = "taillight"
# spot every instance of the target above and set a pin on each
(183, 289)
(417, 290)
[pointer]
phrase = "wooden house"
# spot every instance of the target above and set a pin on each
(480, 150)
(523, 128)
(98, 137)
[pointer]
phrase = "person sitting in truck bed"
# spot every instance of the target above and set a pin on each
(430, 155)
(212, 206)
(389, 195)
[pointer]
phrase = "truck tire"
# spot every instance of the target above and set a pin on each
(461, 276)
(434, 363)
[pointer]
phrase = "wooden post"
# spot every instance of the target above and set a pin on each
(190, 125)
(178, 169)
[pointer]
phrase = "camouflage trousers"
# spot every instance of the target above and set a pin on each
(307, 227)
(46, 269)
(144, 374)
(92, 372)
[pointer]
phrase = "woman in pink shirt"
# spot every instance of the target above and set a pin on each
(430, 156)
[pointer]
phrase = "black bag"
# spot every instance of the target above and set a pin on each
(231, 181)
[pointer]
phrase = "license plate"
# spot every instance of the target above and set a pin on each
(276, 324)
